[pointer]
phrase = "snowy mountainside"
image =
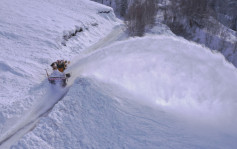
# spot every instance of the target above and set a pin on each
(32, 36)
(216, 36)
(152, 92)
(209, 22)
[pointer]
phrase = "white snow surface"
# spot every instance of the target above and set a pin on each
(31, 35)
(152, 92)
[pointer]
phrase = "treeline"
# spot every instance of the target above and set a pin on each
(119, 6)
(138, 15)
(182, 14)
(179, 14)
(226, 12)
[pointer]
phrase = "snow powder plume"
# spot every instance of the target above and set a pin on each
(169, 72)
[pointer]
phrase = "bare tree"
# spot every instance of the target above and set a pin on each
(182, 14)
(139, 16)
(123, 8)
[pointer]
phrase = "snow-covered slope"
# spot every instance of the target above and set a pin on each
(153, 92)
(35, 33)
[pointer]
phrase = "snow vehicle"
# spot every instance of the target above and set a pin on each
(58, 78)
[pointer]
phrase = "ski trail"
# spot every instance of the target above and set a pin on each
(47, 102)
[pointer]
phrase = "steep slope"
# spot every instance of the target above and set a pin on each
(153, 92)
(33, 34)
(207, 22)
